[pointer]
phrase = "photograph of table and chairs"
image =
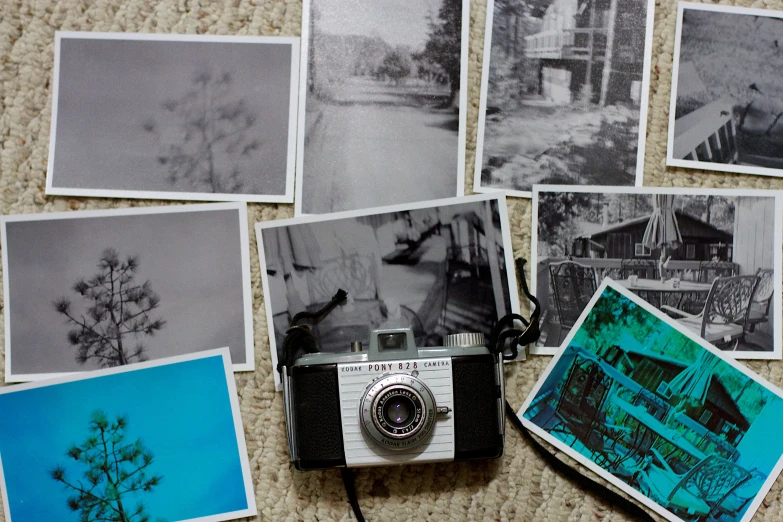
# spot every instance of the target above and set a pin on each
(708, 259)
(660, 414)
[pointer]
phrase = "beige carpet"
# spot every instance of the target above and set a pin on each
(521, 486)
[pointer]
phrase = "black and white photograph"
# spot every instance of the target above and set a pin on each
(564, 94)
(659, 412)
(189, 117)
(105, 288)
(708, 258)
(727, 99)
(383, 109)
(439, 267)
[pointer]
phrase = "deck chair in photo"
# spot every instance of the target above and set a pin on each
(573, 286)
(721, 321)
(695, 494)
(580, 412)
(758, 311)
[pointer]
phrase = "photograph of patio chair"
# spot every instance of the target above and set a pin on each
(564, 94)
(722, 321)
(437, 267)
(726, 107)
(659, 412)
(669, 246)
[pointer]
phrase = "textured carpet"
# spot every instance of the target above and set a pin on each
(523, 485)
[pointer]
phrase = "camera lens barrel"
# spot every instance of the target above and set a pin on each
(397, 411)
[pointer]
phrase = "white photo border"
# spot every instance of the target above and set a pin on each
(763, 490)
(304, 66)
(777, 352)
(247, 294)
(482, 113)
(437, 203)
(671, 161)
(293, 107)
(225, 355)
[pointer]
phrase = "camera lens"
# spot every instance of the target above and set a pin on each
(398, 411)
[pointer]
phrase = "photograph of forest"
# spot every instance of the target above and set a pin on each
(650, 240)
(565, 93)
(658, 414)
(726, 103)
(383, 115)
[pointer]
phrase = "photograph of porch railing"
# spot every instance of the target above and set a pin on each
(707, 258)
(654, 409)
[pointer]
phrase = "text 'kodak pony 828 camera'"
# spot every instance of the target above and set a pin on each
(394, 403)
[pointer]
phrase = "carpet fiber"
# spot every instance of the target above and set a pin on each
(523, 485)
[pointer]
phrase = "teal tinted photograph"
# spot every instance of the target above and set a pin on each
(660, 413)
(154, 444)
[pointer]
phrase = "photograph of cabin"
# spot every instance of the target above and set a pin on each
(660, 413)
(726, 94)
(564, 93)
(683, 253)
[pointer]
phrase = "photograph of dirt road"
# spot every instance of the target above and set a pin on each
(564, 94)
(383, 119)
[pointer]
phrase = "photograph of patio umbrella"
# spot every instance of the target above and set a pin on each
(689, 387)
(662, 231)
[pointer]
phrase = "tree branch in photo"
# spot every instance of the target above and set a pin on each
(205, 134)
(113, 471)
(117, 310)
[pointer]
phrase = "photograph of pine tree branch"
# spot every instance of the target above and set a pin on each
(123, 445)
(106, 288)
(193, 117)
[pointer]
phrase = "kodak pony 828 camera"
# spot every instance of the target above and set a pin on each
(394, 403)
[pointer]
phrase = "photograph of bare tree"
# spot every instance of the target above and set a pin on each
(174, 117)
(107, 288)
(383, 113)
(564, 94)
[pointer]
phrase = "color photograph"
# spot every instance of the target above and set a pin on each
(708, 258)
(191, 117)
(659, 412)
(383, 108)
(564, 94)
(105, 288)
(726, 103)
(438, 268)
(158, 441)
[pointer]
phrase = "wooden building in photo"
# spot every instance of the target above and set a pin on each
(590, 50)
(701, 241)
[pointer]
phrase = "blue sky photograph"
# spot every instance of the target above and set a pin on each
(180, 412)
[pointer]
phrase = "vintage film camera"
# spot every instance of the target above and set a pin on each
(395, 403)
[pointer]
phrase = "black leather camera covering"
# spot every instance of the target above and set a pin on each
(316, 412)
(477, 432)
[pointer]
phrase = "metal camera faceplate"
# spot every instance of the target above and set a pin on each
(372, 418)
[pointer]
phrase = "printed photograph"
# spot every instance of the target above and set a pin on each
(174, 117)
(564, 93)
(383, 119)
(151, 442)
(659, 413)
(710, 259)
(437, 269)
(726, 103)
(98, 289)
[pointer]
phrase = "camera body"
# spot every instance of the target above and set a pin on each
(395, 403)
